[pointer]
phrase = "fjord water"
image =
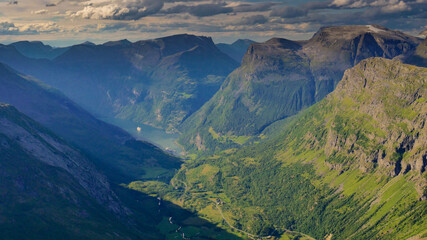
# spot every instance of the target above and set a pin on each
(148, 133)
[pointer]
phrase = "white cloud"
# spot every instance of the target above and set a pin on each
(397, 7)
(9, 28)
(119, 10)
(42, 11)
(387, 6)
(340, 3)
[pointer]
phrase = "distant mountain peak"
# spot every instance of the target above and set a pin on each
(242, 43)
(237, 49)
(37, 49)
(123, 42)
(283, 43)
(88, 43)
(347, 32)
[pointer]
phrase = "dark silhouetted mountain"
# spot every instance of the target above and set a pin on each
(280, 77)
(159, 82)
(357, 158)
(237, 49)
(38, 50)
(121, 156)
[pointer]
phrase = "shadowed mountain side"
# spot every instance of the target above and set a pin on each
(120, 155)
(50, 190)
(50, 187)
(158, 82)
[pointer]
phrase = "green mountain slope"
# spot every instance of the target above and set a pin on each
(280, 77)
(122, 157)
(353, 166)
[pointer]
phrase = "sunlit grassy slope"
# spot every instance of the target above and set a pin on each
(350, 167)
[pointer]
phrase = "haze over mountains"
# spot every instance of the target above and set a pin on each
(116, 148)
(158, 82)
(322, 138)
(62, 187)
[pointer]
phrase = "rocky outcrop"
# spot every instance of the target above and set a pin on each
(391, 99)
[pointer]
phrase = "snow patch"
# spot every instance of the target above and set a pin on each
(374, 29)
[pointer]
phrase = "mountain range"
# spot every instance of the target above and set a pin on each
(323, 138)
(38, 50)
(280, 77)
(158, 82)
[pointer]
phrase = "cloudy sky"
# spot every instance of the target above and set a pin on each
(64, 22)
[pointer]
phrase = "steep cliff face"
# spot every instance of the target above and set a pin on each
(358, 158)
(380, 117)
(280, 77)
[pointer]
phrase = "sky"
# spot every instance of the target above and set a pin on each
(66, 22)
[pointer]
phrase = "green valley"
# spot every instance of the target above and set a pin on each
(353, 166)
